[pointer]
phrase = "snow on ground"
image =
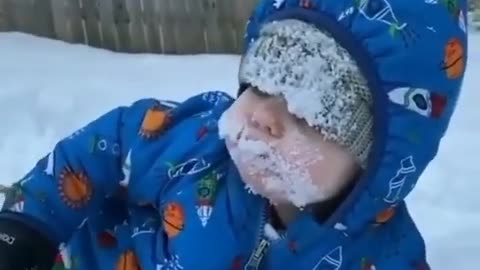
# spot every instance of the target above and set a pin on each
(49, 88)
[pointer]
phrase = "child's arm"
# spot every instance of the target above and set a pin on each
(69, 183)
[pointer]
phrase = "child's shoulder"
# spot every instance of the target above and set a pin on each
(155, 107)
(397, 240)
(212, 96)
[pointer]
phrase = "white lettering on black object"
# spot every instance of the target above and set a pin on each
(7, 238)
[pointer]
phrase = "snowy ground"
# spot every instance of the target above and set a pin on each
(48, 89)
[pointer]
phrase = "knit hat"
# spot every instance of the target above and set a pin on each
(319, 80)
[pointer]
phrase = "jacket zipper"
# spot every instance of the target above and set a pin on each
(261, 243)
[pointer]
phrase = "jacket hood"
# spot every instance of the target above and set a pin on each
(414, 65)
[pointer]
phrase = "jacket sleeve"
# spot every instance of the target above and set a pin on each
(72, 181)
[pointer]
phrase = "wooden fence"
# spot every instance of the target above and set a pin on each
(157, 26)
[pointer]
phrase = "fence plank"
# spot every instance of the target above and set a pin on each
(179, 18)
(42, 18)
(138, 42)
(167, 25)
(190, 29)
(107, 25)
(9, 10)
(186, 35)
(243, 10)
(26, 15)
(30, 16)
(178, 15)
(152, 25)
(122, 20)
(60, 20)
(3, 21)
(91, 17)
(226, 15)
(67, 20)
(213, 33)
(75, 21)
(20, 14)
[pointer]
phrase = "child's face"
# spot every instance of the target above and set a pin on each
(279, 156)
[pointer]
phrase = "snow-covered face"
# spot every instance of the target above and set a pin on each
(279, 156)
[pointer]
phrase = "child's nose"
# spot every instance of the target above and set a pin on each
(267, 117)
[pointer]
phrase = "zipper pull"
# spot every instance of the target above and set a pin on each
(257, 255)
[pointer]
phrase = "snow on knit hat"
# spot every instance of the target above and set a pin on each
(319, 80)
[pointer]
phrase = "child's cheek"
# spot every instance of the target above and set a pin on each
(316, 157)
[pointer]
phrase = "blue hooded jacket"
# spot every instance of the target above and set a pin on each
(151, 186)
